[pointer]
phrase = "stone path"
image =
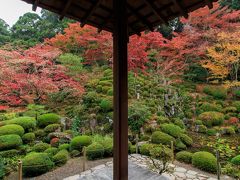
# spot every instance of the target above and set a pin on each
(139, 170)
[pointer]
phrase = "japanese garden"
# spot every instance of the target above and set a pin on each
(56, 95)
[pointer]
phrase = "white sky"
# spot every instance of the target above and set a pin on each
(11, 10)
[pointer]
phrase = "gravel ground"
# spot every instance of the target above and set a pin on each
(73, 166)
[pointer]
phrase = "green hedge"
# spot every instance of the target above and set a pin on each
(28, 123)
(35, 164)
(186, 139)
(51, 151)
(40, 147)
(46, 119)
(11, 129)
(9, 153)
(95, 151)
(28, 138)
(64, 146)
(211, 118)
(159, 137)
(217, 92)
(179, 145)
(52, 128)
(61, 157)
(205, 161)
(79, 142)
(236, 160)
(184, 156)
(172, 130)
(40, 133)
(10, 141)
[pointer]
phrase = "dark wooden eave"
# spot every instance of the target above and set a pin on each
(141, 14)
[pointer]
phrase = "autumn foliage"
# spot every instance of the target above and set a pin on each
(29, 76)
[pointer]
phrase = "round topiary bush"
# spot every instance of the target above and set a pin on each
(159, 137)
(180, 145)
(46, 119)
(40, 133)
(35, 164)
(211, 132)
(28, 123)
(186, 139)
(41, 147)
(201, 129)
(10, 141)
(51, 151)
(64, 146)
(205, 161)
(61, 157)
(52, 128)
(236, 160)
(184, 156)
(28, 138)
(172, 130)
(79, 142)
(95, 151)
(211, 118)
(11, 129)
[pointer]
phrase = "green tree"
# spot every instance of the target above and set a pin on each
(4, 32)
(233, 4)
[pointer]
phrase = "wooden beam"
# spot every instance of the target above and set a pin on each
(140, 17)
(180, 8)
(63, 13)
(120, 82)
(155, 11)
(209, 4)
(35, 5)
(89, 13)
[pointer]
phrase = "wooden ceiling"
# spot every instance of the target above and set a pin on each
(142, 14)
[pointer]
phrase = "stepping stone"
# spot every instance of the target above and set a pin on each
(180, 169)
(192, 172)
(180, 174)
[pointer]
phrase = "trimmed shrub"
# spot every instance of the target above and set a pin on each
(51, 151)
(106, 105)
(216, 92)
(205, 161)
(179, 123)
(61, 157)
(206, 107)
(201, 128)
(159, 137)
(172, 130)
(95, 151)
(229, 109)
(186, 139)
(211, 118)
(28, 138)
(28, 123)
(132, 149)
(211, 132)
(40, 133)
(35, 164)
(79, 142)
(41, 147)
(2, 168)
(236, 160)
(64, 146)
(162, 119)
(184, 156)
(11, 129)
(197, 122)
(10, 141)
(46, 119)
(180, 145)
(52, 128)
(237, 105)
(9, 153)
(145, 149)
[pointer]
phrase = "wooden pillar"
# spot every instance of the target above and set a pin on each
(120, 76)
